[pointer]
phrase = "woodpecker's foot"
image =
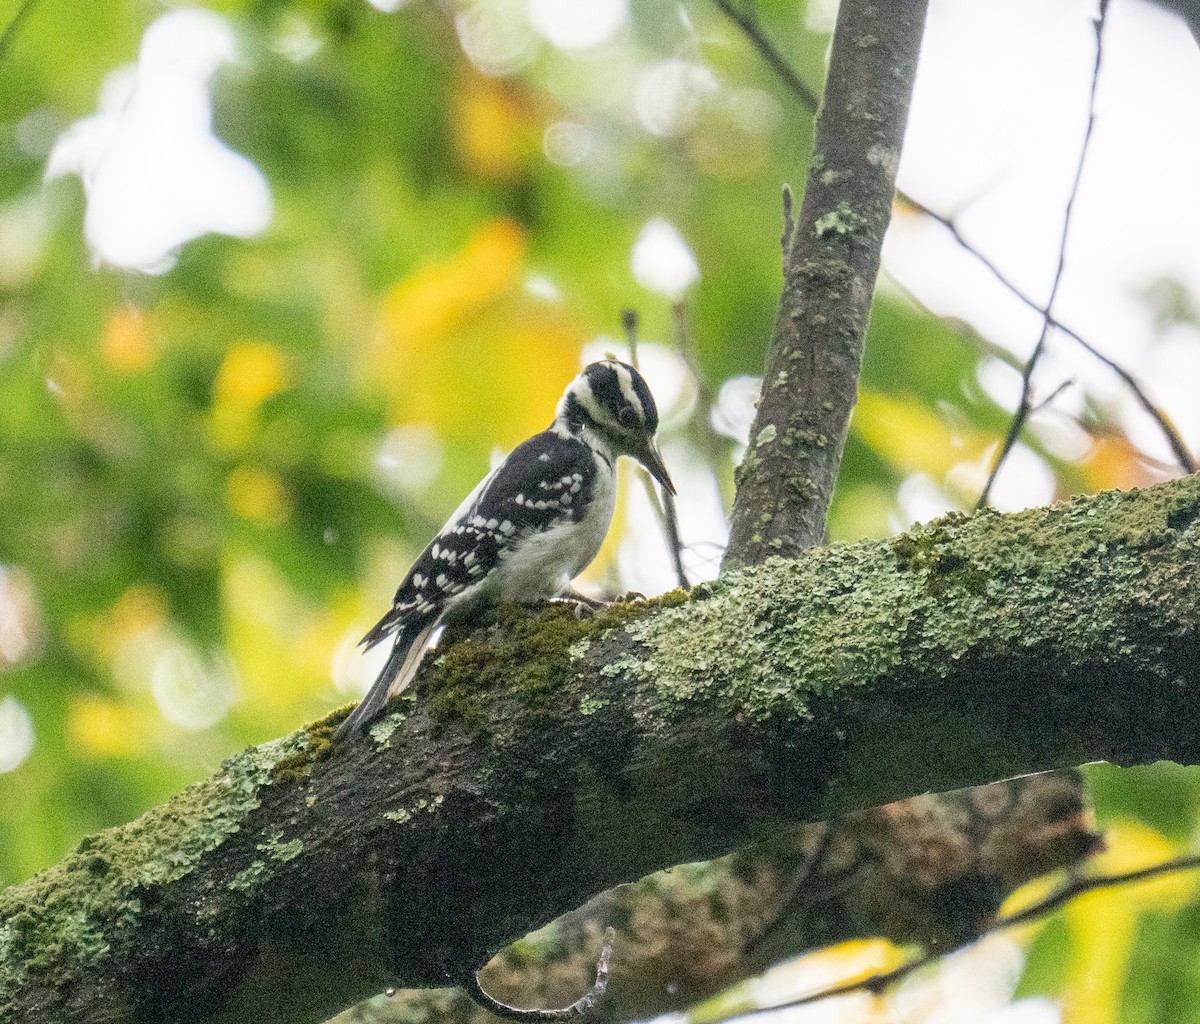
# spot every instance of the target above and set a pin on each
(582, 609)
(585, 607)
(578, 598)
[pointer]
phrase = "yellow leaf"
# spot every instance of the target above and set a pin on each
(100, 727)
(1113, 463)
(140, 609)
(129, 343)
(250, 373)
(857, 959)
(496, 125)
(283, 645)
(419, 311)
(911, 436)
(1103, 924)
(257, 495)
(464, 348)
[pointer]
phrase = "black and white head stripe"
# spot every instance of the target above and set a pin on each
(611, 397)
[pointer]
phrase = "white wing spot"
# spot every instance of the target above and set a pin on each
(441, 581)
(507, 528)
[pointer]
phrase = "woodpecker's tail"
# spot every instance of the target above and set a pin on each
(407, 651)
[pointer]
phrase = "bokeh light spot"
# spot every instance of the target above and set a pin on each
(662, 262)
(578, 24)
(16, 733)
(155, 174)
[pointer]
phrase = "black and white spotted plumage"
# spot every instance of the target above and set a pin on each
(528, 528)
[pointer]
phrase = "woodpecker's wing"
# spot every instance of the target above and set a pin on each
(544, 482)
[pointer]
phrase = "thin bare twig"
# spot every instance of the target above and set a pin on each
(779, 64)
(584, 1006)
(797, 887)
(746, 20)
(670, 525)
(702, 422)
(1077, 886)
(1049, 399)
(1186, 462)
(666, 509)
(1025, 406)
(10, 30)
(630, 322)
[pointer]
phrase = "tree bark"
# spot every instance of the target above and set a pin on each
(932, 870)
(831, 259)
(544, 759)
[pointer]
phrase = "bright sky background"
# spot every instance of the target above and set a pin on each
(997, 122)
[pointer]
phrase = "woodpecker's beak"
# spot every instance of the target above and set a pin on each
(652, 460)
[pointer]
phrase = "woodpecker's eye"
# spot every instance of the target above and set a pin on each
(627, 416)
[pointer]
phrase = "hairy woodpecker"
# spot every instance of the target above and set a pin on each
(527, 529)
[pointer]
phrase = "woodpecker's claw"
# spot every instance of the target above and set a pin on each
(585, 607)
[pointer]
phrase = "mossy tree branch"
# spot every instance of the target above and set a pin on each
(544, 759)
(830, 261)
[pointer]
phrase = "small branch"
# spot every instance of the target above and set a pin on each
(629, 321)
(715, 450)
(671, 526)
(797, 888)
(584, 1006)
(880, 982)
(1186, 462)
(748, 23)
(774, 59)
(1049, 399)
(1025, 406)
(665, 511)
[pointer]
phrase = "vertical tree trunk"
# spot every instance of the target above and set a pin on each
(830, 261)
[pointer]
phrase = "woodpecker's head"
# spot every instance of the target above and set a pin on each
(610, 401)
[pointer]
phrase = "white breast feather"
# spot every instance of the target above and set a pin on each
(543, 565)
